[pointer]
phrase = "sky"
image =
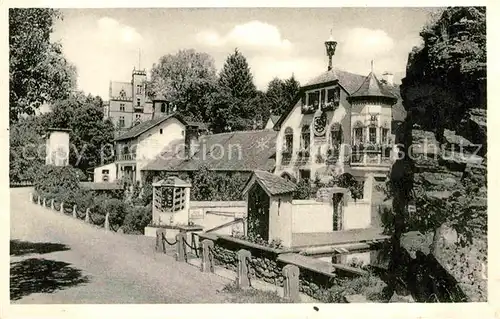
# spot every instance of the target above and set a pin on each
(106, 44)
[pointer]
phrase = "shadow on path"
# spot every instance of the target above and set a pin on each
(38, 275)
(20, 248)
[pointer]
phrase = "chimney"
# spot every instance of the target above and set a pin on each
(190, 141)
(388, 78)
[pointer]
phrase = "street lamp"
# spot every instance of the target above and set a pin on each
(330, 45)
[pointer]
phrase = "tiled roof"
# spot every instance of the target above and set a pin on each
(349, 81)
(274, 184)
(371, 86)
(101, 185)
(137, 130)
(234, 151)
(200, 125)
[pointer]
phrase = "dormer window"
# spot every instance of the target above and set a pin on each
(333, 98)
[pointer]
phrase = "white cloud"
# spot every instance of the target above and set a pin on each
(250, 35)
(362, 42)
(112, 30)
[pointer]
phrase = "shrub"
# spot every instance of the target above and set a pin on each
(57, 182)
(304, 190)
(116, 208)
(370, 286)
(136, 219)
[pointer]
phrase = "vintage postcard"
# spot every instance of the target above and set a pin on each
(163, 156)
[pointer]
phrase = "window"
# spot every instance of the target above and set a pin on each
(306, 137)
(138, 101)
(305, 174)
(333, 96)
(372, 134)
(122, 107)
(137, 116)
(288, 140)
(385, 136)
(105, 171)
(139, 89)
(161, 131)
(358, 135)
(182, 132)
(335, 135)
(163, 108)
(313, 98)
(121, 121)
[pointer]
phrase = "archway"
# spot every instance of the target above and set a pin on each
(258, 212)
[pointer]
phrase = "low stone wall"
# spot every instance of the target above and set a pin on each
(264, 265)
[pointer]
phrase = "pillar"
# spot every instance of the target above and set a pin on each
(106, 222)
(31, 197)
(207, 246)
(44, 202)
(368, 187)
(87, 215)
(180, 248)
(160, 244)
(52, 204)
(61, 209)
(38, 200)
(242, 280)
(291, 283)
(74, 211)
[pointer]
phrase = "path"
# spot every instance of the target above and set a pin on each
(57, 259)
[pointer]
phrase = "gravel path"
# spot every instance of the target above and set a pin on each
(69, 261)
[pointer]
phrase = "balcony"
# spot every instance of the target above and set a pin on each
(286, 157)
(302, 157)
(309, 109)
(371, 155)
(126, 157)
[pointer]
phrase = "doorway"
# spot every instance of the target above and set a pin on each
(258, 212)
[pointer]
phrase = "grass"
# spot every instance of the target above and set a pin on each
(250, 295)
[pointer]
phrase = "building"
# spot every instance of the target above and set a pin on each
(144, 142)
(128, 103)
(57, 147)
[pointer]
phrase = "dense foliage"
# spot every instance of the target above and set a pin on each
(280, 94)
(186, 79)
(38, 71)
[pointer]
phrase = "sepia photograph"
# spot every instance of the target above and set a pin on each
(323, 155)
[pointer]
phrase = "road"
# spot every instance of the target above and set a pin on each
(57, 259)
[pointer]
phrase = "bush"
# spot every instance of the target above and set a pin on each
(370, 286)
(116, 208)
(136, 219)
(57, 182)
(304, 190)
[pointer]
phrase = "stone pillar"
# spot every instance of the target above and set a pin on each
(61, 209)
(38, 200)
(291, 283)
(52, 204)
(31, 197)
(74, 212)
(87, 215)
(242, 280)
(368, 187)
(160, 244)
(206, 262)
(180, 248)
(106, 222)
(44, 202)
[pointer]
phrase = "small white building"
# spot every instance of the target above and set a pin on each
(105, 173)
(57, 147)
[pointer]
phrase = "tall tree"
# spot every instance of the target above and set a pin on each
(186, 79)
(232, 106)
(38, 71)
(280, 94)
(91, 137)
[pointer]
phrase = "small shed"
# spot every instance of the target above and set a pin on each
(171, 201)
(269, 204)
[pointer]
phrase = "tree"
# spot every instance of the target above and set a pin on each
(91, 137)
(186, 79)
(232, 106)
(38, 71)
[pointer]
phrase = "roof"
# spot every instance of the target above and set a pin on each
(234, 151)
(172, 181)
(116, 87)
(271, 183)
(274, 118)
(101, 185)
(371, 87)
(137, 130)
(200, 125)
(351, 83)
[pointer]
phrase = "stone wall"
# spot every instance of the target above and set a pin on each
(265, 266)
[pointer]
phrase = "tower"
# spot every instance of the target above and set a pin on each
(138, 93)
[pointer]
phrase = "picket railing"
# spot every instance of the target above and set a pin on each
(74, 211)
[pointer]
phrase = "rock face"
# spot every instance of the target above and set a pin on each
(452, 172)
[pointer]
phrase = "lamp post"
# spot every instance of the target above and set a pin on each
(330, 45)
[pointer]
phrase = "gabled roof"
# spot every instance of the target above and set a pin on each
(351, 83)
(274, 118)
(271, 183)
(234, 151)
(172, 181)
(137, 130)
(116, 87)
(371, 87)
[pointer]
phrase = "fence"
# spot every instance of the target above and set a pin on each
(85, 214)
(21, 184)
